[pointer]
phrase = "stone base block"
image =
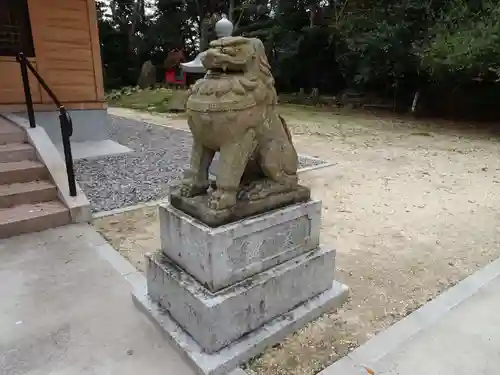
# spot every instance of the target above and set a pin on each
(215, 320)
(248, 346)
(198, 206)
(219, 257)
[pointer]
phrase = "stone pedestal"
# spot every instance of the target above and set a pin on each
(223, 294)
(219, 257)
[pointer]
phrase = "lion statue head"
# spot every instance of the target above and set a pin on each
(237, 71)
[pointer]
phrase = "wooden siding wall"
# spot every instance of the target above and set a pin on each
(67, 55)
(11, 83)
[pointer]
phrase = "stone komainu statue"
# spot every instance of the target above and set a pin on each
(232, 110)
(147, 77)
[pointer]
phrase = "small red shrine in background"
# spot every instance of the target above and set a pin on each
(174, 75)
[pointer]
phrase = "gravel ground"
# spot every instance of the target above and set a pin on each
(159, 157)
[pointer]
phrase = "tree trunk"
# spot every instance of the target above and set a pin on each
(204, 34)
(133, 23)
(230, 16)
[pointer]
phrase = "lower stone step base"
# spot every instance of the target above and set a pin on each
(215, 320)
(248, 346)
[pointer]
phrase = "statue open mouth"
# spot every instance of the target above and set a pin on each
(229, 55)
(216, 61)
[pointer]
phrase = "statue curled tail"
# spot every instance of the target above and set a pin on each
(285, 128)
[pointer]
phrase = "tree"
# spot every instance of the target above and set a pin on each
(464, 42)
(386, 47)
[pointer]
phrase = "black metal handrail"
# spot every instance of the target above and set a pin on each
(64, 117)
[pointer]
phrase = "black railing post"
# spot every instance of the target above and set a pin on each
(27, 91)
(64, 117)
(66, 132)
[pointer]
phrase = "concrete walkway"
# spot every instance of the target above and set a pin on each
(458, 333)
(64, 309)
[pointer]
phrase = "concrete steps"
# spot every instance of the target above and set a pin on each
(28, 199)
(22, 171)
(26, 192)
(11, 152)
(10, 133)
(27, 218)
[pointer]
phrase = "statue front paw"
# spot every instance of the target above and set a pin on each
(190, 190)
(221, 200)
(252, 191)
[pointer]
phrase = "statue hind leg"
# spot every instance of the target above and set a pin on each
(279, 163)
(278, 155)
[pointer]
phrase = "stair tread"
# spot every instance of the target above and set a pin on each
(10, 133)
(15, 147)
(24, 187)
(7, 127)
(4, 121)
(19, 165)
(30, 211)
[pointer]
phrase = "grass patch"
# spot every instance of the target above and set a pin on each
(307, 112)
(157, 100)
(161, 100)
(143, 100)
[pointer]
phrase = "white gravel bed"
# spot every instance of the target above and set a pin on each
(160, 154)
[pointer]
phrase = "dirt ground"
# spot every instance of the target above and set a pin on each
(412, 207)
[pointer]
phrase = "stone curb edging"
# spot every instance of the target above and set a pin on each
(367, 355)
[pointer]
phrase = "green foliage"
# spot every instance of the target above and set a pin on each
(116, 95)
(464, 42)
(117, 52)
(376, 44)
(146, 100)
(381, 46)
